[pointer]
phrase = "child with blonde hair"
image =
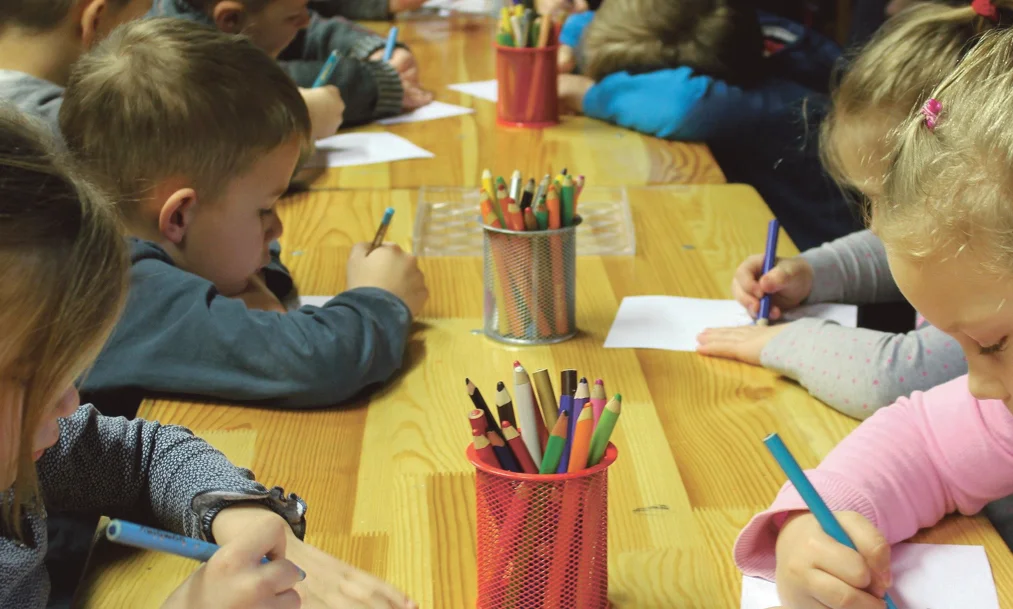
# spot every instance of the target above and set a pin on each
(947, 228)
(711, 70)
(65, 265)
(857, 371)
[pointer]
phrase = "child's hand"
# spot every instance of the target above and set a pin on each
(389, 268)
(789, 283)
(397, 6)
(332, 584)
(257, 296)
(566, 59)
(743, 343)
(814, 570)
(326, 109)
(234, 578)
(403, 61)
(415, 97)
(572, 89)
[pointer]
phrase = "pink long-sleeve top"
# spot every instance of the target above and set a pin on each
(904, 469)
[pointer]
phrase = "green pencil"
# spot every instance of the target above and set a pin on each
(542, 214)
(567, 200)
(505, 39)
(602, 433)
(554, 447)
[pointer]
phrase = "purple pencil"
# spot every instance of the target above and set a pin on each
(579, 401)
(568, 384)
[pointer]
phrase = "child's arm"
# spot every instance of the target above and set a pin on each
(574, 27)
(157, 474)
(852, 269)
(903, 469)
(370, 89)
(335, 34)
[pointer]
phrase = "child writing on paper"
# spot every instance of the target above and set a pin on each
(854, 370)
(197, 181)
(947, 227)
(302, 41)
(40, 39)
(723, 71)
(65, 268)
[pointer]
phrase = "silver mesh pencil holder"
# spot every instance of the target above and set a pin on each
(530, 285)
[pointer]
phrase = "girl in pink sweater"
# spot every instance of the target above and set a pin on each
(947, 224)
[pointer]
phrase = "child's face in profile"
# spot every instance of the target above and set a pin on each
(12, 392)
(227, 239)
(274, 28)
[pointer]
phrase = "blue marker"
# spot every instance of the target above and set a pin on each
(769, 260)
(812, 499)
(327, 71)
(381, 231)
(391, 41)
(147, 538)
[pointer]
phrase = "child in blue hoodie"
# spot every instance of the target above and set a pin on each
(752, 86)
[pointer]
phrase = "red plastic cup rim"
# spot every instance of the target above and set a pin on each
(611, 454)
(527, 50)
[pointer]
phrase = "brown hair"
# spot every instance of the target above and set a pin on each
(949, 188)
(166, 97)
(721, 38)
(207, 6)
(39, 15)
(894, 72)
(64, 265)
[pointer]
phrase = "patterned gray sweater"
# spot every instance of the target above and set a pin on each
(138, 470)
(858, 371)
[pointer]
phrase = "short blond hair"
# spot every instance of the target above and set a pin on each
(167, 97)
(721, 38)
(895, 71)
(64, 265)
(950, 188)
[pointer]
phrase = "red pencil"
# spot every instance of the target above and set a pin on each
(520, 450)
(484, 450)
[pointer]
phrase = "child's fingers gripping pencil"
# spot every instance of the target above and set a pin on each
(769, 260)
(327, 70)
(381, 231)
(812, 499)
(388, 50)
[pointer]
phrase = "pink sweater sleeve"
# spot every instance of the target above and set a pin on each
(904, 469)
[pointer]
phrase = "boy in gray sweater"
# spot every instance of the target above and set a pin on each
(161, 114)
(40, 39)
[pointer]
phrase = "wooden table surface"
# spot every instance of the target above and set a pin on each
(459, 50)
(386, 479)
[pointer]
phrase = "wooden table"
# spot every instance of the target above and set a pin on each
(459, 50)
(386, 480)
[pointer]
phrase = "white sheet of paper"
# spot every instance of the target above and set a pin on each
(429, 112)
(672, 323)
(485, 89)
(461, 6)
(316, 301)
(364, 149)
(926, 576)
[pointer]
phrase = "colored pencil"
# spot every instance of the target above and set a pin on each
(504, 405)
(478, 423)
(554, 447)
(515, 185)
(567, 197)
(543, 188)
(479, 402)
(581, 439)
(812, 498)
(602, 433)
(542, 214)
(519, 448)
(503, 453)
(552, 204)
(598, 399)
(488, 214)
(489, 186)
(483, 450)
(327, 70)
(530, 222)
(769, 260)
(388, 50)
(528, 195)
(546, 397)
(532, 426)
(580, 399)
(381, 231)
(514, 217)
(568, 381)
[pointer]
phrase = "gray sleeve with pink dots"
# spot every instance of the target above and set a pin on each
(852, 270)
(857, 371)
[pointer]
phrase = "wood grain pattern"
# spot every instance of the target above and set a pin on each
(458, 50)
(386, 479)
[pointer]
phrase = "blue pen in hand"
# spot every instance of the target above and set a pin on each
(327, 71)
(381, 231)
(812, 499)
(147, 538)
(769, 260)
(388, 51)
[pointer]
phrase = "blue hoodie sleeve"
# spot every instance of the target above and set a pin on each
(573, 28)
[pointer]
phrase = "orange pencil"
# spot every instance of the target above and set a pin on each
(488, 215)
(519, 449)
(514, 218)
(581, 439)
(552, 203)
(530, 223)
(501, 197)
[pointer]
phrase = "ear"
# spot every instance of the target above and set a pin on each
(176, 214)
(91, 18)
(229, 16)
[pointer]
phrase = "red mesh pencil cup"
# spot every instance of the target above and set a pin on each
(542, 540)
(528, 92)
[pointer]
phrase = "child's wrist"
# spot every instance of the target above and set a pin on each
(236, 520)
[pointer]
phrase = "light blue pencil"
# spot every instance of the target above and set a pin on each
(147, 538)
(388, 51)
(327, 71)
(381, 231)
(812, 498)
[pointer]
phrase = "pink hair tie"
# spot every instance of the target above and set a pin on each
(986, 9)
(931, 111)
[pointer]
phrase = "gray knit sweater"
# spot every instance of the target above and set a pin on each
(138, 470)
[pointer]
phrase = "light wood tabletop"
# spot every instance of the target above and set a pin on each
(386, 479)
(458, 50)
